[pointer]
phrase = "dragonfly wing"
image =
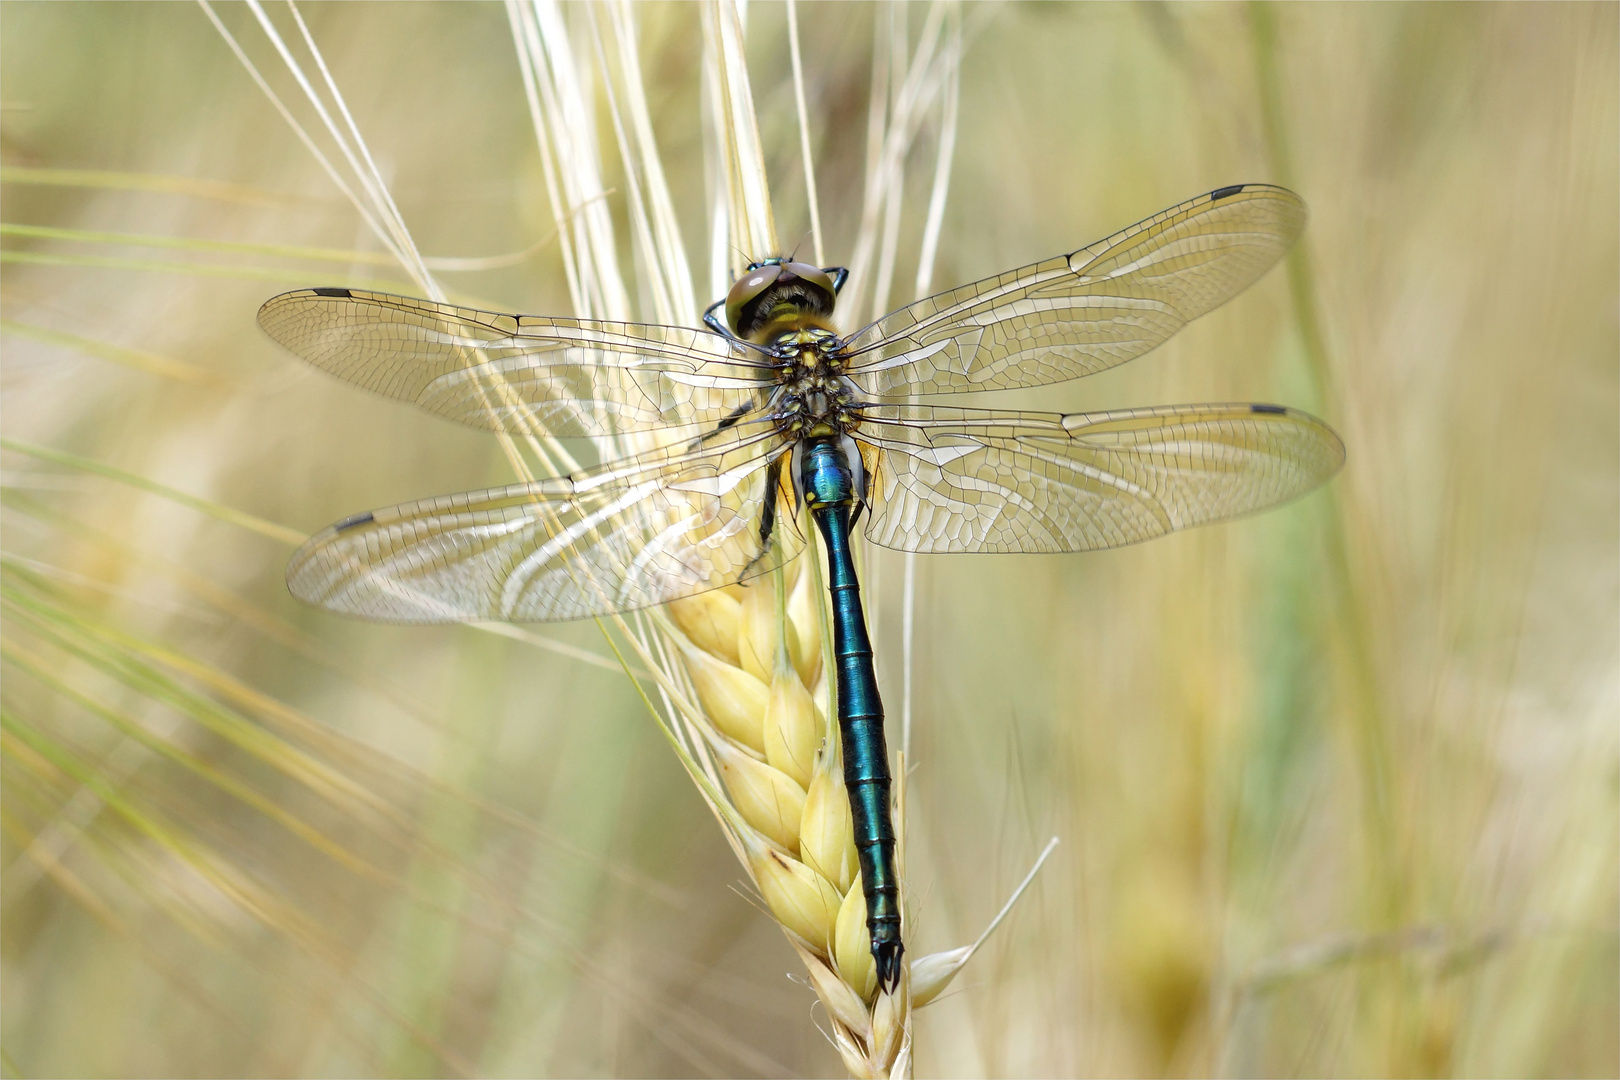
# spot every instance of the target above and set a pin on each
(956, 480)
(666, 524)
(518, 373)
(1082, 313)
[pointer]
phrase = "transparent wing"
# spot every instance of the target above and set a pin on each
(518, 373)
(663, 525)
(974, 480)
(1079, 314)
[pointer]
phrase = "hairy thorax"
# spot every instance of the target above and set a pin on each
(813, 396)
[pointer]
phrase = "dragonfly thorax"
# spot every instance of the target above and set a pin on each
(814, 397)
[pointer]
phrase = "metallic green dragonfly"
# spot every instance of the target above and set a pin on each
(732, 428)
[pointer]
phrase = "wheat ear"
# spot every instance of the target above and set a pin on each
(755, 657)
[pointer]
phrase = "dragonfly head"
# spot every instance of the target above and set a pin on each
(775, 288)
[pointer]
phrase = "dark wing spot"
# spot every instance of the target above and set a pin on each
(1271, 410)
(342, 294)
(352, 522)
(1225, 193)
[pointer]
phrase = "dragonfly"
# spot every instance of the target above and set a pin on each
(724, 433)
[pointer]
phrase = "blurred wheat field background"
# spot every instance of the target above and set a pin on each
(1338, 786)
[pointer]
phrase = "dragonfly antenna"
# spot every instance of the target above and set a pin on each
(794, 257)
(747, 259)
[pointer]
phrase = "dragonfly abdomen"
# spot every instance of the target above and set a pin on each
(829, 485)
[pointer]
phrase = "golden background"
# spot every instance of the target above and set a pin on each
(1337, 786)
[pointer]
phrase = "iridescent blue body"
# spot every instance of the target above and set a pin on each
(829, 487)
(786, 306)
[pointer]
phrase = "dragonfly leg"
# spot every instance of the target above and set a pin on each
(767, 516)
(729, 420)
(715, 324)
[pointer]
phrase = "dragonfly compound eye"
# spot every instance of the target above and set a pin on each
(810, 275)
(747, 289)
